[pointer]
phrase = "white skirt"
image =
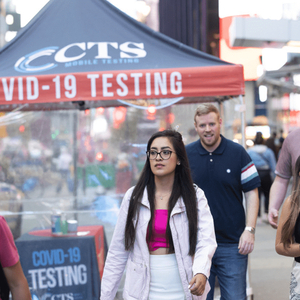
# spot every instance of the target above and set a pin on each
(165, 282)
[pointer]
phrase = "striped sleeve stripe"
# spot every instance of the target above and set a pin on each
(248, 173)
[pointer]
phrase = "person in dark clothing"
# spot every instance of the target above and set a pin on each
(224, 170)
(265, 162)
(270, 143)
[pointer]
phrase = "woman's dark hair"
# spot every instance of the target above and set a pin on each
(259, 140)
(288, 228)
(182, 186)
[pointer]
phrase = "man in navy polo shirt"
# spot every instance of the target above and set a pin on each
(224, 170)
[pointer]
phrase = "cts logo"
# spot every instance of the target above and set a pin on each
(48, 58)
(23, 64)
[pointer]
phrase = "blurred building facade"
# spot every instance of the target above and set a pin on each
(194, 23)
(10, 21)
(266, 43)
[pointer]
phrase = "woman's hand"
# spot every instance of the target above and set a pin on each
(197, 284)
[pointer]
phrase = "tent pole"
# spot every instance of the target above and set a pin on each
(243, 119)
(222, 117)
(75, 155)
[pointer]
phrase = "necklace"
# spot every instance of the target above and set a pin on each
(162, 196)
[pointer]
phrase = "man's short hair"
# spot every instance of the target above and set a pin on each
(204, 109)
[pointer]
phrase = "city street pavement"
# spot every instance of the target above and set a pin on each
(269, 272)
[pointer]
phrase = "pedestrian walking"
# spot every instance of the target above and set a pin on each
(164, 233)
(288, 232)
(124, 170)
(265, 162)
(224, 170)
(63, 163)
(271, 143)
(284, 171)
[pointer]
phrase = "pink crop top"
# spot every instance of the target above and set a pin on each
(158, 239)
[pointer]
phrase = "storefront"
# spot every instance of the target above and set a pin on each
(283, 92)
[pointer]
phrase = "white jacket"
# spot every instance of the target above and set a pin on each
(137, 280)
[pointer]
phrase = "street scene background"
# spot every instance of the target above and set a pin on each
(81, 162)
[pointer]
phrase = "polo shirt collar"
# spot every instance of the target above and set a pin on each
(219, 150)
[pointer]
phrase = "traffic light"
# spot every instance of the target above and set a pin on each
(119, 116)
(151, 112)
(21, 128)
(99, 156)
(170, 118)
(99, 111)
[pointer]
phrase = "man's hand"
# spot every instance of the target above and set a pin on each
(197, 284)
(246, 244)
(273, 217)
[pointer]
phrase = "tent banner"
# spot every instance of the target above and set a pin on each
(125, 84)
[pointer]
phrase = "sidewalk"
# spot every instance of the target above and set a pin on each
(269, 272)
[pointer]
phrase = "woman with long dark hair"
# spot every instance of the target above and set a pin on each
(165, 232)
(288, 232)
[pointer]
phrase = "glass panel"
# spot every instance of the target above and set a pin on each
(80, 163)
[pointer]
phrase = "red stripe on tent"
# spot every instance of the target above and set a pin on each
(130, 84)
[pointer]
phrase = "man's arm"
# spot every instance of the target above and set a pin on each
(277, 194)
(17, 282)
(246, 244)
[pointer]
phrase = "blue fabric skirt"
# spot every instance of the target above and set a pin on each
(165, 282)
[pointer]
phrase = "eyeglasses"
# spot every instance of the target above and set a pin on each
(164, 154)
